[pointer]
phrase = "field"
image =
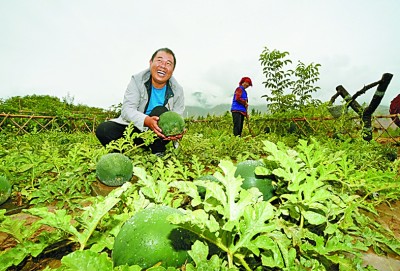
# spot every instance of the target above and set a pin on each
(335, 200)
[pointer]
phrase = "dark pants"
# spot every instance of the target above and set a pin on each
(109, 131)
(238, 120)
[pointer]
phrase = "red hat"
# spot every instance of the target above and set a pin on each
(245, 79)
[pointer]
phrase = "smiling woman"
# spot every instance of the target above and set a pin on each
(149, 93)
(162, 65)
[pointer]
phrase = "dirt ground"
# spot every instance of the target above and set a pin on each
(389, 217)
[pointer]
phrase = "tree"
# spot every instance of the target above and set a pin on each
(300, 81)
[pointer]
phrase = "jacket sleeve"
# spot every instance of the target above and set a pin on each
(132, 103)
(179, 97)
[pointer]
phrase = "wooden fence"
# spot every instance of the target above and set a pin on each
(382, 126)
(24, 124)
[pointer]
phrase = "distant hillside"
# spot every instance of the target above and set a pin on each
(382, 110)
(197, 111)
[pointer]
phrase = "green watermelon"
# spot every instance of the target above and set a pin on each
(114, 169)
(171, 123)
(5, 189)
(148, 238)
(246, 169)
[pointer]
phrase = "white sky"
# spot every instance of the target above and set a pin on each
(88, 49)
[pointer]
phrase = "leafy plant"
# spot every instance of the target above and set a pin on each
(80, 229)
(277, 79)
(322, 214)
(310, 225)
(280, 80)
(88, 220)
(131, 142)
(303, 87)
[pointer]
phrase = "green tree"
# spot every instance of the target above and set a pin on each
(280, 80)
(277, 79)
(303, 87)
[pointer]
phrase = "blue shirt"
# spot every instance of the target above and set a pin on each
(239, 98)
(157, 98)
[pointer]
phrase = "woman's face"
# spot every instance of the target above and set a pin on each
(161, 68)
(245, 84)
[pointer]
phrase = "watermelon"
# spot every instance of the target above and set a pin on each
(246, 169)
(171, 123)
(114, 169)
(148, 238)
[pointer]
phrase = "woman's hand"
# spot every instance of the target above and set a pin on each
(175, 137)
(152, 123)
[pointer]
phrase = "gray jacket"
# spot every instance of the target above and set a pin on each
(136, 99)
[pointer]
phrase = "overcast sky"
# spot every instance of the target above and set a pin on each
(88, 49)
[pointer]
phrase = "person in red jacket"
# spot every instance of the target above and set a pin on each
(395, 109)
(239, 105)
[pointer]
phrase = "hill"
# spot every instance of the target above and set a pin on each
(218, 110)
(49, 105)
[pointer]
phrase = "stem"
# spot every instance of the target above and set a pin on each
(33, 177)
(301, 221)
(380, 189)
(230, 260)
(241, 259)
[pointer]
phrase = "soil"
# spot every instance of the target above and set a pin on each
(389, 217)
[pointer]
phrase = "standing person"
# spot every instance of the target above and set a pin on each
(239, 105)
(149, 94)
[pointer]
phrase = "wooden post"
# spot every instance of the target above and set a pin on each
(376, 100)
(347, 97)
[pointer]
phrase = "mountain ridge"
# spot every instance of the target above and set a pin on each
(221, 109)
(218, 110)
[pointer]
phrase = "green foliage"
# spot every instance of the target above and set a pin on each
(51, 167)
(216, 142)
(303, 87)
(51, 113)
(26, 245)
(218, 218)
(157, 186)
(127, 144)
(87, 260)
(5, 189)
(46, 105)
(280, 80)
(87, 221)
(322, 214)
(314, 223)
(82, 230)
